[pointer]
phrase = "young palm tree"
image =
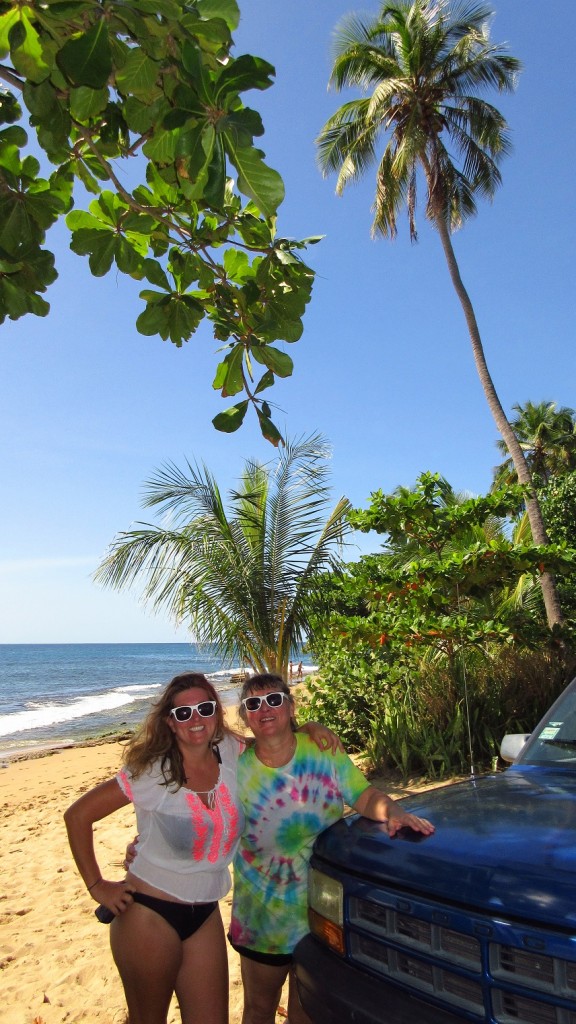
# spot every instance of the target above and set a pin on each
(241, 576)
(420, 66)
(547, 435)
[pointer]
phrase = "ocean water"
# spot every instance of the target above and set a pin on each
(57, 694)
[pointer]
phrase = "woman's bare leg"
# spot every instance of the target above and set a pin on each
(148, 954)
(202, 982)
(262, 991)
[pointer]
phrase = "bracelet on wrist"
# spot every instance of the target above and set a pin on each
(90, 887)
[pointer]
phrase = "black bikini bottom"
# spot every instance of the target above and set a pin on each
(184, 918)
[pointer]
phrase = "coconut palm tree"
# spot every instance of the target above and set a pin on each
(420, 67)
(547, 435)
(239, 576)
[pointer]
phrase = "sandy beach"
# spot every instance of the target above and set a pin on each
(54, 955)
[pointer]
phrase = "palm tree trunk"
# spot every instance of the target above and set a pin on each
(547, 581)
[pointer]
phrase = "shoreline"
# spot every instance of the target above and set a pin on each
(34, 753)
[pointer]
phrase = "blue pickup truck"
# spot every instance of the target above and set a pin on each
(474, 923)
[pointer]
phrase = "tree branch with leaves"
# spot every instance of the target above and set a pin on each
(193, 215)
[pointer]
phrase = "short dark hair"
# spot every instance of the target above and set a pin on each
(262, 681)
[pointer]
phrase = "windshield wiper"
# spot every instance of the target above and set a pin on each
(568, 744)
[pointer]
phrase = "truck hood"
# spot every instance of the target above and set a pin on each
(505, 844)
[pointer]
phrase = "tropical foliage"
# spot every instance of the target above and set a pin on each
(558, 499)
(422, 68)
(424, 652)
(547, 436)
(242, 576)
(192, 216)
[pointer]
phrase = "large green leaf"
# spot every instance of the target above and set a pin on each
(192, 61)
(241, 125)
(139, 76)
(255, 179)
(266, 381)
(140, 117)
(101, 252)
(215, 187)
(227, 10)
(20, 232)
(153, 272)
(173, 316)
(161, 148)
(245, 72)
(213, 35)
(280, 363)
(231, 419)
(87, 59)
(194, 150)
(237, 265)
(233, 380)
(8, 21)
(269, 430)
(28, 54)
(86, 103)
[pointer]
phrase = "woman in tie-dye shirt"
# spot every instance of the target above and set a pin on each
(290, 791)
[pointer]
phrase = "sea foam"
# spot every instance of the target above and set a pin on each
(39, 716)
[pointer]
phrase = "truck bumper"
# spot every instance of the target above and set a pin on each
(333, 992)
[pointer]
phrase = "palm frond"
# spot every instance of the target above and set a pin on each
(422, 64)
(237, 573)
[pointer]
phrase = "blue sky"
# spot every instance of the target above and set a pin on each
(89, 408)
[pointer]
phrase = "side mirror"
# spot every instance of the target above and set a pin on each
(512, 745)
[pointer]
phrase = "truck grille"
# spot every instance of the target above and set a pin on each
(510, 1008)
(545, 973)
(419, 934)
(418, 974)
(457, 960)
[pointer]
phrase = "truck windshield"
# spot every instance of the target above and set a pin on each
(554, 738)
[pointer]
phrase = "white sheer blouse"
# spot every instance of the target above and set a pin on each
(184, 846)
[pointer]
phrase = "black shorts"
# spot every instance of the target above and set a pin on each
(271, 959)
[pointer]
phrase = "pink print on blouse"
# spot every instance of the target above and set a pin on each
(225, 832)
(127, 786)
(218, 824)
(197, 810)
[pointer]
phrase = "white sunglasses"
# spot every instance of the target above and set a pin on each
(273, 700)
(184, 712)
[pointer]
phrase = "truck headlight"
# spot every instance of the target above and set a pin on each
(326, 909)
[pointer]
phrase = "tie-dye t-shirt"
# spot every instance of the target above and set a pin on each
(285, 809)
(185, 847)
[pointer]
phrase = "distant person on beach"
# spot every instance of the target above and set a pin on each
(290, 791)
(180, 772)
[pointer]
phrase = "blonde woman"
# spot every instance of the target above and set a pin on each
(180, 772)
